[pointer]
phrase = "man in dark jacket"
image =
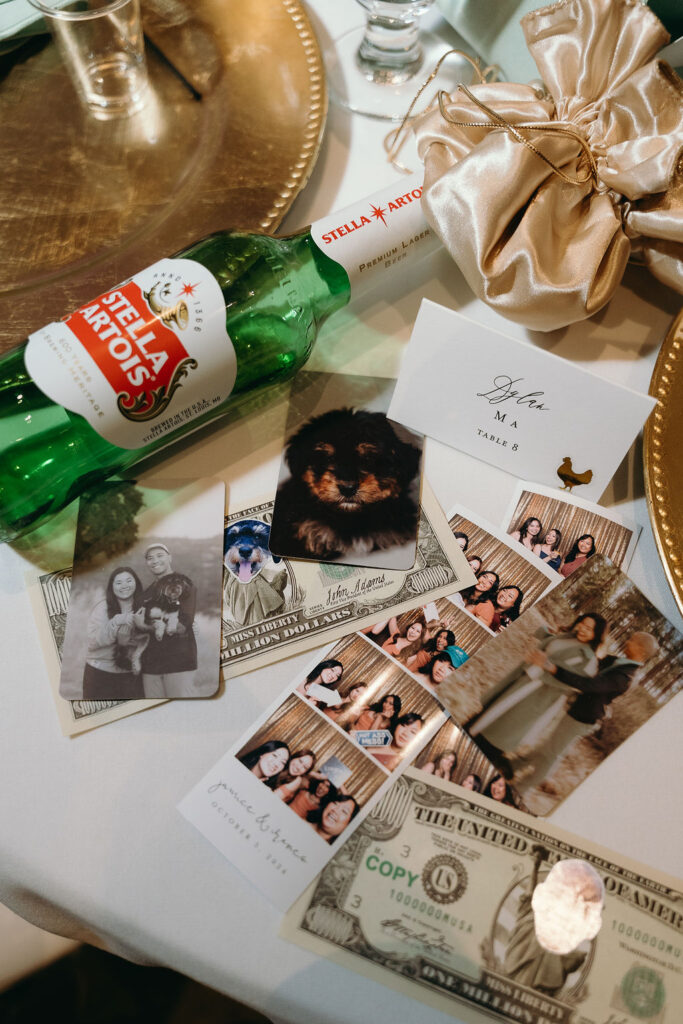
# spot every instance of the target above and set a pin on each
(593, 696)
(169, 661)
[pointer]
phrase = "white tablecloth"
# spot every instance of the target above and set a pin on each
(91, 845)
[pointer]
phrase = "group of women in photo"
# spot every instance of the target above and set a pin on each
(493, 603)
(309, 793)
(547, 544)
(445, 766)
(355, 714)
(428, 650)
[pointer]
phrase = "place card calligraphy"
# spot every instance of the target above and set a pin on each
(514, 405)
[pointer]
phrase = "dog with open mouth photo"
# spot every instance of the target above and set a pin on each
(254, 583)
(353, 488)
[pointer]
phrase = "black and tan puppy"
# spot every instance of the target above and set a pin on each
(349, 488)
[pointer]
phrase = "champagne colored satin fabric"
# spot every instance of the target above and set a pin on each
(542, 251)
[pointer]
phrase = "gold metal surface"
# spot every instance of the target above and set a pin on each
(228, 138)
(663, 457)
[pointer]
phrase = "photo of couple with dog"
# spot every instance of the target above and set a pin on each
(144, 607)
(141, 641)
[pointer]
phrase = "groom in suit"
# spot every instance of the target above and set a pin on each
(595, 693)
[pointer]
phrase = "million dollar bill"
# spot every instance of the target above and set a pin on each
(290, 606)
(433, 895)
(49, 595)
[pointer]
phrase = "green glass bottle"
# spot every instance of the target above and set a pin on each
(169, 351)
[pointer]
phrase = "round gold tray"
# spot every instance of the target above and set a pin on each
(663, 457)
(228, 138)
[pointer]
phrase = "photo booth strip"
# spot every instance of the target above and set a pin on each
(514, 565)
(250, 825)
(615, 535)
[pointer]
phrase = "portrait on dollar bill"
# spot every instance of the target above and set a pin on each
(349, 483)
(509, 579)
(567, 683)
(563, 529)
(143, 619)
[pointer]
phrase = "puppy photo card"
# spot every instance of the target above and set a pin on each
(513, 405)
(144, 611)
(349, 484)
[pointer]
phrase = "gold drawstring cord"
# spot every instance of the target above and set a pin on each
(392, 144)
(553, 127)
(395, 139)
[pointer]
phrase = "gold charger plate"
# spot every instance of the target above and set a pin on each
(663, 457)
(228, 138)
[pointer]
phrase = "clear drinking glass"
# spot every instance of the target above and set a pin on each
(377, 69)
(102, 45)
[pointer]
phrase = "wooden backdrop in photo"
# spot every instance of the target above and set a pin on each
(364, 662)
(301, 727)
(611, 539)
(469, 634)
(513, 568)
(469, 758)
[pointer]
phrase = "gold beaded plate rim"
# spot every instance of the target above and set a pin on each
(663, 458)
(312, 134)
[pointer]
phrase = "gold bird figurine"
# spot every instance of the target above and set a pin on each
(570, 478)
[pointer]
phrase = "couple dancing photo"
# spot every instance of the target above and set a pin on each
(559, 694)
(555, 694)
(567, 682)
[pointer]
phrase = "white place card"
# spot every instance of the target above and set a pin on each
(513, 405)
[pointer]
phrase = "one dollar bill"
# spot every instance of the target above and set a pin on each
(432, 895)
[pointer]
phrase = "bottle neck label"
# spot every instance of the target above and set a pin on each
(142, 360)
(377, 234)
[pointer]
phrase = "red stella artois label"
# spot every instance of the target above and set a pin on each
(377, 233)
(142, 360)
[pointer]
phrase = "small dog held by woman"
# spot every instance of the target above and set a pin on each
(349, 489)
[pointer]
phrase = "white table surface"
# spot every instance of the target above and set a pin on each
(91, 845)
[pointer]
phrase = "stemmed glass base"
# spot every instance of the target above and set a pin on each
(377, 86)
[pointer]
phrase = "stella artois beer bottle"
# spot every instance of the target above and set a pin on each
(169, 350)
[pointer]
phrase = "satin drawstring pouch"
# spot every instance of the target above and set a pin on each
(542, 195)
